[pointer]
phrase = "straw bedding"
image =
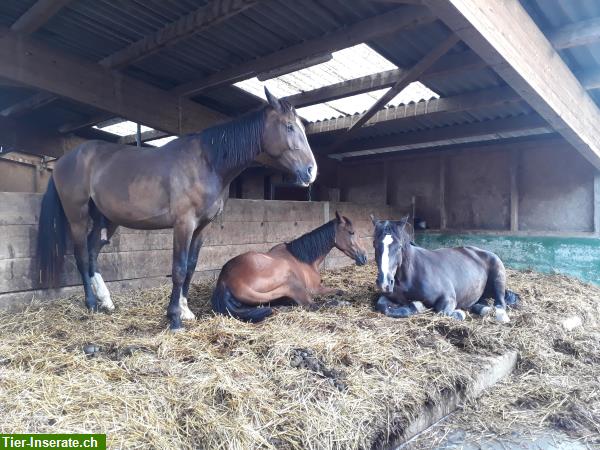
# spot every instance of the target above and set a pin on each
(341, 376)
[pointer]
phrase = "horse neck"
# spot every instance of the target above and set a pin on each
(234, 145)
(312, 248)
(408, 258)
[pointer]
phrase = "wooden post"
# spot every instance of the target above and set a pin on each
(386, 185)
(443, 219)
(514, 190)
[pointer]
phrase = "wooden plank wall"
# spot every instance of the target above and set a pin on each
(139, 259)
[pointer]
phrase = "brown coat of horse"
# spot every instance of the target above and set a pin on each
(287, 271)
(448, 280)
(182, 185)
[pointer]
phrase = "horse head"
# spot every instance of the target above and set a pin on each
(389, 239)
(347, 241)
(285, 143)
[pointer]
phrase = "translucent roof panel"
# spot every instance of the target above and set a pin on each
(352, 62)
(162, 141)
(123, 128)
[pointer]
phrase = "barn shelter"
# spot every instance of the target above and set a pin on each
(478, 118)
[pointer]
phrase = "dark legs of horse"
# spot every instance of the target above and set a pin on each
(80, 249)
(182, 239)
(391, 309)
(446, 305)
(192, 261)
(102, 231)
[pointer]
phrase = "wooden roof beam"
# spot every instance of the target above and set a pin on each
(366, 30)
(36, 16)
(424, 109)
(532, 123)
(213, 13)
(507, 38)
(25, 60)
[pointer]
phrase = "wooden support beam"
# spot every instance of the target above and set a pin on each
(366, 30)
(506, 37)
(411, 75)
(29, 104)
(443, 179)
(149, 135)
(26, 60)
(85, 123)
(576, 34)
(491, 128)
(431, 108)
(38, 15)
(514, 189)
(215, 12)
(449, 64)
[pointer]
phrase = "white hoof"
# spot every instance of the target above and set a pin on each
(485, 311)
(102, 293)
(419, 306)
(459, 314)
(186, 314)
(502, 316)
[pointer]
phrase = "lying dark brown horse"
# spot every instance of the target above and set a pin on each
(287, 271)
(449, 280)
(182, 186)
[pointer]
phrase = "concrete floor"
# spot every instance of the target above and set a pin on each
(546, 440)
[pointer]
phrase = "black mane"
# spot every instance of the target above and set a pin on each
(310, 246)
(235, 142)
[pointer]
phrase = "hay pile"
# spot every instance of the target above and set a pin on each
(338, 377)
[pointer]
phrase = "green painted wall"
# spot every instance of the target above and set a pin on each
(577, 256)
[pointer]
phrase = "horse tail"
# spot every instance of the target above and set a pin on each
(51, 238)
(512, 299)
(223, 302)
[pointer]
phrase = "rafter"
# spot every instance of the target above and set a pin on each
(368, 29)
(36, 16)
(213, 13)
(29, 104)
(431, 108)
(505, 36)
(26, 60)
(491, 128)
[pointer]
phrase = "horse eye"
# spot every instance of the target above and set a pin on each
(290, 127)
(351, 233)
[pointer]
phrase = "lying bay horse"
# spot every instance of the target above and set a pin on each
(449, 280)
(182, 185)
(287, 271)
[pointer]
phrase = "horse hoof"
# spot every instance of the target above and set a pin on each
(502, 316)
(458, 314)
(188, 315)
(176, 330)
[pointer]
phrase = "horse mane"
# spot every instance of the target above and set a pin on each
(237, 141)
(310, 246)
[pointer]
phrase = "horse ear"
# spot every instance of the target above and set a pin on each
(338, 217)
(373, 219)
(273, 101)
(348, 222)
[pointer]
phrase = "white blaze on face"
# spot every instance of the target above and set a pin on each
(385, 258)
(101, 292)
(313, 175)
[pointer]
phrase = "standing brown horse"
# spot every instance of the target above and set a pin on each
(287, 271)
(182, 185)
(449, 280)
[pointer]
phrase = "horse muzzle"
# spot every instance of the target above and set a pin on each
(385, 285)
(306, 176)
(361, 259)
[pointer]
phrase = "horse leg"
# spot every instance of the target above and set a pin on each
(195, 247)
(102, 231)
(446, 305)
(79, 233)
(391, 309)
(480, 308)
(182, 237)
(499, 288)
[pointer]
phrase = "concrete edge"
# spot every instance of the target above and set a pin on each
(495, 369)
